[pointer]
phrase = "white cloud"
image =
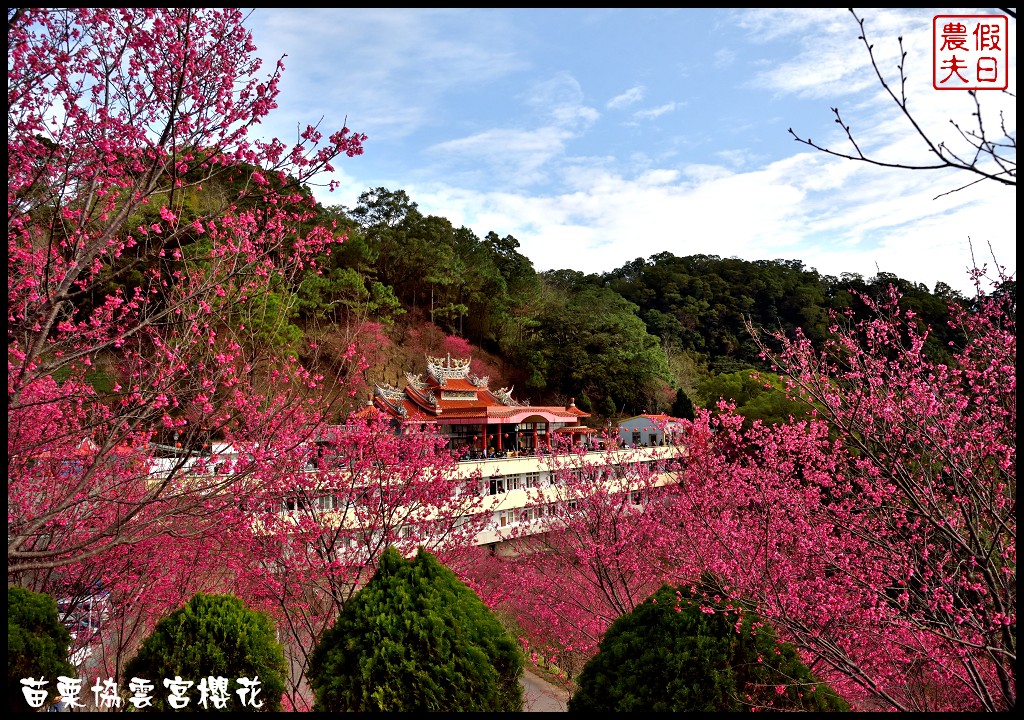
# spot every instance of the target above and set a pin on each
(630, 97)
(397, 68)
(561, 99)
(724, 57)
(512, 157)
(579, 195)
(651, 113)
(789, 209)
(737, 158)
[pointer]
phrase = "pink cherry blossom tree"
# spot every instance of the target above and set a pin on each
(880, 537)
(152, 244)
(590, 546)
(148, 235)
(313, 534)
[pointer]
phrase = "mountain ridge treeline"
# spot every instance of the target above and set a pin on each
(623, 341)
(657, 334)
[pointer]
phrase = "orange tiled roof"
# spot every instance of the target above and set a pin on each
(464, 412)
(367, 410)
(459, 384)
(422, 399)
(460, 404)
(575, 410)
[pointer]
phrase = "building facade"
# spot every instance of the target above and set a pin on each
(512, 452)
(507, 444)
(479, 423)
(648, 431)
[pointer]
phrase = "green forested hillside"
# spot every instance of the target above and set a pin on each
(625, 341)
(639, 338)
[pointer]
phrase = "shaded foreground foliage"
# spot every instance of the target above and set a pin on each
(214, 636)
(37, 644)
(681, 652)
(416, 638)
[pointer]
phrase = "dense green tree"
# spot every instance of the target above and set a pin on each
(682, 406)
(380, 207)
(415, 254)
(37, 645)
(416, 638)
(757, 396)
(384, 217)
(342, 292)
(481, 290)
(592, 341)
(520, 305)
(680, 651)
(607, 407)
(704, 302)
(345, 289)
(516, 268)
(355, 252)
(583, 403)
(214, 636)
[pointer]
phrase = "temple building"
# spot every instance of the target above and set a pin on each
(478, 422)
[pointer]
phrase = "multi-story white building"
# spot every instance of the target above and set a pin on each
(522, 492)
(523, 457)
(510, 443)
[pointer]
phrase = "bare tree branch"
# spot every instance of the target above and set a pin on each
(991, 159)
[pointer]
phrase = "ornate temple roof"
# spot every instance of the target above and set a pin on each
(449, 392)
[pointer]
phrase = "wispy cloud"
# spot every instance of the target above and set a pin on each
(630, 97)
(516, 158)
(724, 57)
(651, 113)
(560, 98)
(397, 68)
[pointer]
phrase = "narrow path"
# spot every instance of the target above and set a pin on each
(540, 695)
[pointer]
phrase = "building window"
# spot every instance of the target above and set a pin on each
(497, 486)
(294, 504)
(532, 514)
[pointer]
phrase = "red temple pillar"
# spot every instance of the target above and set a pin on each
(484, 435)
(499, 438)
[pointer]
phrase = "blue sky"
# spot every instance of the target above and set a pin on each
(598, 136)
